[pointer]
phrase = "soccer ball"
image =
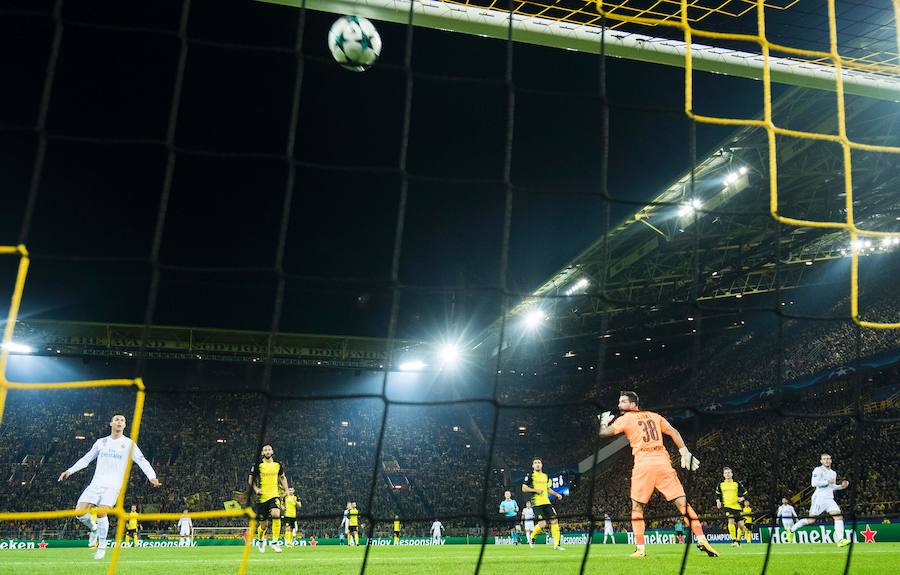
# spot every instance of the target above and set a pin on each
(354, 42)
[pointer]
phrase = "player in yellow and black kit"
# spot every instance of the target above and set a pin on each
(131, 527)
(729, 496)
(265, 479)
(353, 525)
(396, 530)
(538, 485)
(291, 504)
(747, 514)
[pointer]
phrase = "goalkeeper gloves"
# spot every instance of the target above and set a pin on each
(688, 461)
(605, 418)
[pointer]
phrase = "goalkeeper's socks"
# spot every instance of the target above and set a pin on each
(554, 530)
(637, 525)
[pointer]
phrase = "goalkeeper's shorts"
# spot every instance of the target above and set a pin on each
(656, 473)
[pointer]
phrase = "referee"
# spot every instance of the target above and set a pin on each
(510, 511)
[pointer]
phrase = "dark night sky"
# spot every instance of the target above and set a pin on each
(100, 200)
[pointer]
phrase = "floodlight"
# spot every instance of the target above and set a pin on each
(534, 318)
(449, 354)
(413, 365)
(14, 347)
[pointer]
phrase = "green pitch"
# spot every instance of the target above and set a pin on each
(878, 559)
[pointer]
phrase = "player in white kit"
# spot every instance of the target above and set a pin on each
(528, 520)
(824, 479)
(185, 527)
(437, 528)
(787, 514)
(111, 453)
(608, 529)
(345, 525)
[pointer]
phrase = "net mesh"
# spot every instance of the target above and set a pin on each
(865, 38)
(504, 402)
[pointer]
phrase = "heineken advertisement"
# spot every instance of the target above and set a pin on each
(823, 533)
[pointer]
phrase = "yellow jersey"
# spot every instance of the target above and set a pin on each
(746, 512)
(728, 492)
(132, 520)
(539, 480)
(354, 517)
(397, 525)
(290, 506)
(265, 475)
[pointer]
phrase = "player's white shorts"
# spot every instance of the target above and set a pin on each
(820, 506)
(529, 526)
(787, 523)
(99, 495)
(608, 532)
(186, 532)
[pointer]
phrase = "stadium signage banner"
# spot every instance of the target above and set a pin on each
(14, 544)
(825, 534)
(417, 541)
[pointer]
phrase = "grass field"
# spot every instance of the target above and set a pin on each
(878, 559)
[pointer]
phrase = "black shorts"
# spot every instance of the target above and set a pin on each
(511, 522)
(544, 512)
(289, 521)
(396, 534)
(731, 513)
(130, 532)
(353, 528)
(264, 508)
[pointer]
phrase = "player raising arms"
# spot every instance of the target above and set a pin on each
(111, 453)
(264, 479)
(824, 479)
(538, 484)
(652, 469)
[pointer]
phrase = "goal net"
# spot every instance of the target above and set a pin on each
(455, 260)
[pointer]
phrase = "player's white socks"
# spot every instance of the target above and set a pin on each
(838, 530)
(102, 531)
(803, 522)
(87, 521)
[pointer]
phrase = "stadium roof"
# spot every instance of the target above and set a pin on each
(651, 253)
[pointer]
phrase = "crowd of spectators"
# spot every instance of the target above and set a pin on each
(453, 461)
